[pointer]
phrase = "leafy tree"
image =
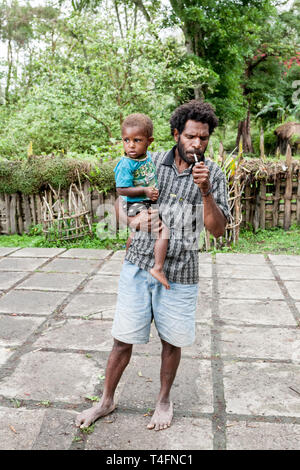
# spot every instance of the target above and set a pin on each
(18, 31)
(91, 79)
(236, 41)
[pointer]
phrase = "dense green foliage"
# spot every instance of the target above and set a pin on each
(33, 175)
(73, 69)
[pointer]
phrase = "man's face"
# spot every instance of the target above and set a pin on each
(135, 142)
(193, 140)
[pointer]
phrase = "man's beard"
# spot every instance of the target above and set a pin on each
(183, 155)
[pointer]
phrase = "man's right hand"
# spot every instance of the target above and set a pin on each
(146, 221)
(151, 193)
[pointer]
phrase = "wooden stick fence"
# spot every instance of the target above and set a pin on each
(261, 195)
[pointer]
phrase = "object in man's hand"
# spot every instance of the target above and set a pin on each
(201, 158)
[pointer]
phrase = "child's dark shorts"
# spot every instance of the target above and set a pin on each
(134, 208)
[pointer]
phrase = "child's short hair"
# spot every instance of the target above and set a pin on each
(139, 120)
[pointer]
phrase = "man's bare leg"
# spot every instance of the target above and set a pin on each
(163, 414)
(116, 364)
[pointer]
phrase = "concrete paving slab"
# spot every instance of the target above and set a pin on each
(9, 278)
(21, 264)
(192, 388)
(240, 258)
(63, 282)
(285, 260)
(293, 288)
(31, 302)
(203, 311)
(202, 343)
(118, 255)
(262, 436)
(6, 250)
(112, 268)
(15, 330)
(40, 375)
(19, 428)
(260, 388)
(38, 252)
(129, 432)
(5, 353)
(205, 270)
(259, 328)
(244, 272)
(289, 273)
(242, 289)
(94, 305)
(256, 342)
(78, 334)
(205, 258)
(263, 312)
(57, 430)
(60, 265)
(102, 284)
(204, 292)
(86, 253)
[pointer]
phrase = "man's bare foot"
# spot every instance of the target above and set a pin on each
(162, 416)
(89, 416)
(160, 276)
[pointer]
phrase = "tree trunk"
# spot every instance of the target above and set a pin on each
(244, 132)
(9, 73)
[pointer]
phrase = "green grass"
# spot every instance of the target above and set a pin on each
(35, 239)
(276, 241)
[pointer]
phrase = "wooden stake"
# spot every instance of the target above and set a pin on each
(262, 216)
(276, 203)
(288, 189)
(7, 209)
(298, 200)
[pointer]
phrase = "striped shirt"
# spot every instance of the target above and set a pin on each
(181, 209)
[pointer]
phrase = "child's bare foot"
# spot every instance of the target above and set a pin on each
(87, 417)
(160, 276)
(162, 416)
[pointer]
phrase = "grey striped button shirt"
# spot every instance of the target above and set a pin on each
(181, 208)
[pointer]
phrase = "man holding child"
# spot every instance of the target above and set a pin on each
(187, 195)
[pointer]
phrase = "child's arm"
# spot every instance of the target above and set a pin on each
(138, 191)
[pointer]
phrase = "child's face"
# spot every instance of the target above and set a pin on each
(135, 142)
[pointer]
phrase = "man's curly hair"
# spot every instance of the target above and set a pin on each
(196, 111)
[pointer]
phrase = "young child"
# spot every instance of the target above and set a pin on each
(136, 182)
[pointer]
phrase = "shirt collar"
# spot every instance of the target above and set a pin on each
(169, 158)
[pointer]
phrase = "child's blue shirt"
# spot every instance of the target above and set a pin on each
(130, 172)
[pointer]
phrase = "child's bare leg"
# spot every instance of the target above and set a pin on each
(129, 240)
(160, 251)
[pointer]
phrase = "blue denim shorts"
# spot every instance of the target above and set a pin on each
(142, 298)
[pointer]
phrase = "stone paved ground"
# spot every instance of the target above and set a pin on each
(238, 386)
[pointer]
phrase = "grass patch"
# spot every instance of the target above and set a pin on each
(35, 239)
(275, 240)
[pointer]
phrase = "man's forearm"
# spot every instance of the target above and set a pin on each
(214, 219)
(147, 221)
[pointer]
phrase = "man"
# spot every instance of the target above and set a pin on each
(184, 186)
